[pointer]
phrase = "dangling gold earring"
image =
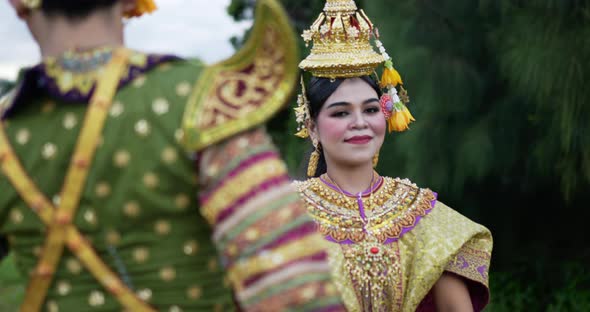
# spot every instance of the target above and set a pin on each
(312, 166)
(375, 160)
(314, 158)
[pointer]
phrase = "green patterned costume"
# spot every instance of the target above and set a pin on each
(183, 175)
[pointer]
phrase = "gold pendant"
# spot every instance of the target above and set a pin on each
(375, 270)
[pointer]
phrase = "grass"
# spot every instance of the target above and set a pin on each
(541, 287)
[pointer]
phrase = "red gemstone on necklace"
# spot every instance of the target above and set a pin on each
(374, 250)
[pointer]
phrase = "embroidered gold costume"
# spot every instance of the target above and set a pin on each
(391, 243)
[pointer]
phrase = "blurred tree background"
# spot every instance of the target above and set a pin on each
(5, 85)
(502, 132)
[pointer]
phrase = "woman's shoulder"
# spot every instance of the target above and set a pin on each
(444, 223)
(402, 187)
(303, 186)
(449, 217)
(441, 215)
(400, 182)
(299, 184)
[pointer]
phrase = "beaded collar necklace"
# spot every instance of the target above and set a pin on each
(346, 195)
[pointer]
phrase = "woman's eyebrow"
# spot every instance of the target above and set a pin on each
(342, 103)
(338, 104)
(371, 100)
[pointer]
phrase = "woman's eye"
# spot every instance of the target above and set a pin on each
(372, 110)
(339, 114)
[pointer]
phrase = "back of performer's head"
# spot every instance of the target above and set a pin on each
(75, 8)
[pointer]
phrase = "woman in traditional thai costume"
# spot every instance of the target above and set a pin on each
(394, 246)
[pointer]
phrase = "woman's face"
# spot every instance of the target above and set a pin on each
(350, 125)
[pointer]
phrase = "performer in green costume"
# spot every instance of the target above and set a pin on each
(126, 176)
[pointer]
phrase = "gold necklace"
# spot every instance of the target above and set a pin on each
(371, 264)
(347, 198)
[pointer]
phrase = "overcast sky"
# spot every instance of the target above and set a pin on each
(189, 28)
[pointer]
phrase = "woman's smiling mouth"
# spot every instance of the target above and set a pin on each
(361, 139)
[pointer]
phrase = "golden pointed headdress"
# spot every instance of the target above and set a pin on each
(342, 48)
(141, 7)
(341, 38)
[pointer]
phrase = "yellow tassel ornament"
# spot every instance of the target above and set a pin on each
(396, 113)
(390, 76)
(141, 7)
(400, 119)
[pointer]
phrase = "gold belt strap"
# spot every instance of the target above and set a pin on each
(59, 220)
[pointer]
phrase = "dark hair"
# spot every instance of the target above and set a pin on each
(4, 247)
(75, 9)
(318, 91)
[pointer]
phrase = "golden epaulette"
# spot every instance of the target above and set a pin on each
(248, 88)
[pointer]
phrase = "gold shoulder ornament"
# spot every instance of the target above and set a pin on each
(247, 89)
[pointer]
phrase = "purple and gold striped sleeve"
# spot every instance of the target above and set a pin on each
(274, 258)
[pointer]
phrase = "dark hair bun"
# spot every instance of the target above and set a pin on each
(75, 8)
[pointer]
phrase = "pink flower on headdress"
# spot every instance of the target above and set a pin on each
(386, 105)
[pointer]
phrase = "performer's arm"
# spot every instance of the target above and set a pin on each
(451, 294)
(269, 247)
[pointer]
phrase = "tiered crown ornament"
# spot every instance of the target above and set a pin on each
(141, 7)
(342, 48)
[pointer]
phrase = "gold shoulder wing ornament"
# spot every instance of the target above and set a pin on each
(248, 88)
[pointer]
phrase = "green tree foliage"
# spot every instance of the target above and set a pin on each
(497, 87)
(543, 52)
(5, 86)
